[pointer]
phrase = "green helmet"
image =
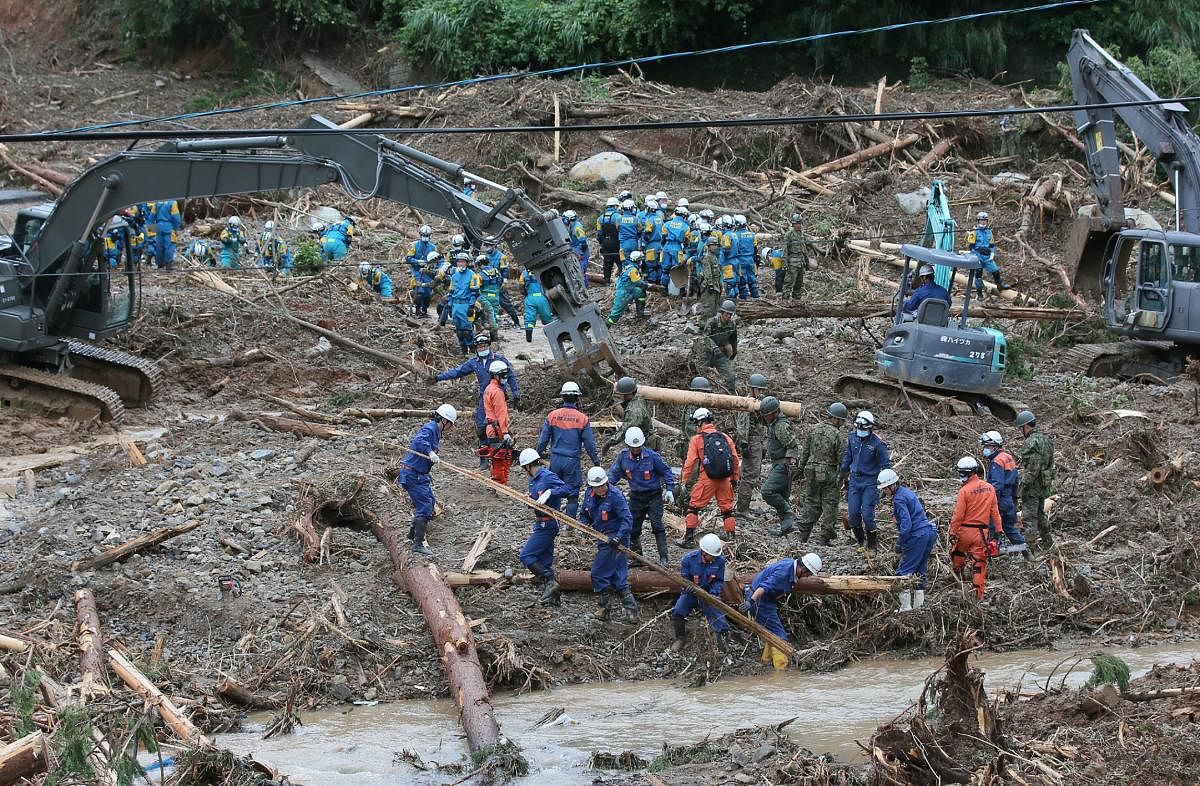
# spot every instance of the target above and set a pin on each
(837, 410)
(768, 405)
(758, 381)
(729, 307)
(626, 386)
(1024, 418)
(700, 383)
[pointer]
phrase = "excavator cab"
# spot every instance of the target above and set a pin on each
(1151, 285)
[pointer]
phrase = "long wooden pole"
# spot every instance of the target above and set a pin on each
(645, 581)
(792, 409)
(141, 685)
(22, 758)
(735, 616)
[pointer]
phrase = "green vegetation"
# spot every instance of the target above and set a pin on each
(1017, 360)
(919, 77)
(308, 260)
(1109, 670)
(23, 694)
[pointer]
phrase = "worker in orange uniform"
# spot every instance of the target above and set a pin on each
(498, 441)
(714, 456)
(973, 525)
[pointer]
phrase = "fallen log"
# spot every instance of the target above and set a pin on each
(137, 545)
(1164, 693)
(142, 686)
(647, 581)
(764, 311)
(936, 153)
(866, 154)
(304, 412)
(13, 644)
(22, 759)
(276, 423)
(32, 177)
(378, 414)
(886, 253)
(233, 691)
(255, 355)
(91, 644)
(792, 409)
(678, 166)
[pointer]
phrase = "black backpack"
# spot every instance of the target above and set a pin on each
(718, 460)
(608, 233)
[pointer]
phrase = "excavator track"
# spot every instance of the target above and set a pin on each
(1146, 361)
(133, 378)
(866, 389)
(58, 395)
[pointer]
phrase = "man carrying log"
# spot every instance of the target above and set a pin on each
(545, 488)
(566, 433)
(414, 474)
(479, 365)
(915, 536)
(714, 458)
(650, 483)
(705, 568)
(606, 510)
(635, 414)
(498, 438)
(771, 587)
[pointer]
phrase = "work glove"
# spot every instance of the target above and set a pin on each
(746, 606)
(544, 497)
(668, 497)
(433, 458)
(508, 440)
(690, 589)
(612, 541)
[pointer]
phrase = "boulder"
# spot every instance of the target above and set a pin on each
(913, 202)
(606, 167)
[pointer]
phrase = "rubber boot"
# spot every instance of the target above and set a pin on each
(766, 654)
(418, 537)
(640, 311)
(872, 541)
(918, 600)
(550, 593)
(601, 612)
(778, 659)
(680, 626)
(786, 525)
(859, 537)
(905, 598)
(1000, 285)
(631, 607)
(636, 545)
(723, 641)
(660, 540)
(529, 335)
(688, 541)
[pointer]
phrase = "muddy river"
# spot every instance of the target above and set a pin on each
(355, 744)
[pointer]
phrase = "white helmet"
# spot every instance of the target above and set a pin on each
(864, 419)
(364, 269)
(270, 225)
(726, 220)
(967, 466)
(660, 196)
(634, 437)
(926, 270)
(886, 478)
(981, 215)
(498, 367)
(991, 438)
(569, 389)
(704, 226)
(234, 221)
(739, 220)
(612, 202)
(701, 414)
(636, 256)
(528, 456)
(627, 204)
(597, 477)
(481, 259)
(812, 562)
(681, 211)
(712, 545)
(425, 230)
(447, 412)
(458, 240)
(681, 202)
(433, 256)
(651, 201)
(570, 215)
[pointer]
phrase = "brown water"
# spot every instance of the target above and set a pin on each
(355, 745)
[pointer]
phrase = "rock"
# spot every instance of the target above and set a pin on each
(1009, 179)
(764, 752)
(340, 690)
(742, 777)
(260, 455)
(320, 348)
(218, 469)
(194, 500)
(913, 202)
(253, 566)
(606, 167)
(371, 694)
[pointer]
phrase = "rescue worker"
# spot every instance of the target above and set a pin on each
(606, 511)
(973, 523)
(337, 238)
(607, 237)
(979, 243)
(458, 245)
(233, 240)
(712, 459)
(629, 237)
(709, 273)
(651, 484)
(915, 536)
(674, 236)
(635, 413)
(464, 291)
(489, 294)
(1002, 473)
(566, 433)
(468, 188)
(652, 236)
(578, 238)
(377, 279)
(137, 229)
(730, 268)
(744, 243)
(420, 249)
(795, 260)
(497, 435)
(705, 569)
(167, 221)
(272, 251)
(536, 305)
(630, 288)
(687, 425)
(866, 455)
(538, 552)
(422, 284)
(441, 289)
(499, 260)
(820, 456)
(770, 588)
(414, 474)
(115, 238)
(479, 365)
(783, 451)
(1037, 475)
(717, 345)
(773, 258)
(928, 290)
(749, 429)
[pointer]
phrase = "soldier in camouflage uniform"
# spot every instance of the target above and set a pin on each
(783, 451)
(716, 346)
(795, 259)
(749, 436)
(710, 278)
(818, 467)
(1037, 473)
(636, 413)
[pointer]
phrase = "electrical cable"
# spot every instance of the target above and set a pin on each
(665, 125)
(545, 72)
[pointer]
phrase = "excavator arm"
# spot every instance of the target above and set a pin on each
(366, 166)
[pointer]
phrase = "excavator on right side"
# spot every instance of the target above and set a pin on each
(1148, 278)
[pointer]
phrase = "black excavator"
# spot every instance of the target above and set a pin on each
(1147, 278)
(59, 295)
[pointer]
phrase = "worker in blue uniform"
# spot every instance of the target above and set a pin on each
(167, 221)
(498, 259)
(464, 291)
(652, 236)
(606, 237)
(770, 588)
(478, 365)
(420, 249)
(928, 290)
(629, 235)
(422, 455)
(866, 455)
(537, 306)
(651, 484)
(336, 239)
(422, 284)
(744, 246)
(115, 239)
(915, 536)
(606, 511)
(675, 236)
(981, 244)
(377, 279)
(566, 433)
(233, 241)
(705, 569)
(272, 250)
(631, 288)
(1005, 477)
(537, 554)
(578, 238)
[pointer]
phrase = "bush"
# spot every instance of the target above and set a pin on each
(1109, 670)
(919, 77)
(308, 260)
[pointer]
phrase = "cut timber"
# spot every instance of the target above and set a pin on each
(936, 153)
(477, 548)
(886, 252)
(13, 644)
(379, 414)
(91, 646)
(22, 759)
(792, 409)
(233, 691)
(142, 686)
(647, 581)
(1164, 693)
(135, 546)
(840, 309)
(874, 151)
(276, 423)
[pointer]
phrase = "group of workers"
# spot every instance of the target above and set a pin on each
(145, 233)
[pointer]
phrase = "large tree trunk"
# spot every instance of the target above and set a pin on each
(22, 759)
(91, 644)
(138, 544)
(792, 409)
